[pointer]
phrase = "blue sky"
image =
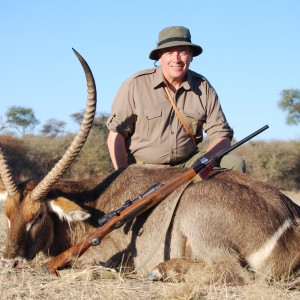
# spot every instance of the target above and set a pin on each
(251, 52)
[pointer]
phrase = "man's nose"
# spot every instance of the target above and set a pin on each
(176, 56)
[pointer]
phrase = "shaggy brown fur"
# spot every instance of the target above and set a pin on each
(230, 222)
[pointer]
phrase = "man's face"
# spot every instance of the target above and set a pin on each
(175, 62)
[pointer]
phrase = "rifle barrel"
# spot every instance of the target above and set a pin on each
(244, 140)
(219, 156)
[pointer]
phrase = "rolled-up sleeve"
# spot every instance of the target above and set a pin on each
(122, 116)
(216, 125)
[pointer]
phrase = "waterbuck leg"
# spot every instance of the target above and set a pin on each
(180, 269)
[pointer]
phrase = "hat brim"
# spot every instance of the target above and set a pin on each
(197, 50)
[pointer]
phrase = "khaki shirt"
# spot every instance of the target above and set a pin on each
(143, 114)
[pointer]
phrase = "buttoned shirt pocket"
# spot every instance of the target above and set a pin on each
(152, 121)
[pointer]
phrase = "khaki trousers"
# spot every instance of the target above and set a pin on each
(229, 161)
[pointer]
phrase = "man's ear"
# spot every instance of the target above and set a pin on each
(159, 54)
(68, 210)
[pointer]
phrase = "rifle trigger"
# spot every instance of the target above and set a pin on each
(119, 224)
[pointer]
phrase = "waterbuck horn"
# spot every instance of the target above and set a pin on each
(7, 178)
(41, 190)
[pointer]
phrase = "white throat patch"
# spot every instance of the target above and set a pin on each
(3, 195)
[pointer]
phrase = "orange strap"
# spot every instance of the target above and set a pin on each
(186, 127)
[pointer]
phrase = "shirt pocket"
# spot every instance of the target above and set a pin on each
(196, 125)
(148, 122)
(153, 118)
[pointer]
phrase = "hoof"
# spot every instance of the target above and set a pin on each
(154, 275)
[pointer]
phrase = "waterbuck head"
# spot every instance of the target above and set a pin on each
(27, 207)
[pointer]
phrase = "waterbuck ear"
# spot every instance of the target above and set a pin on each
(68, 210)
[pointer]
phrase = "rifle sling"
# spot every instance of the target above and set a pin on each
(162, 236)
(185, 126)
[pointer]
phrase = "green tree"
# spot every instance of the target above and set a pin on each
(290, 102)
(53, 127)
(3, 124)
(21, 118)
(77, 117)
(99, 120)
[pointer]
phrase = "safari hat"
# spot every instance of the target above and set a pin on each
(174, 36)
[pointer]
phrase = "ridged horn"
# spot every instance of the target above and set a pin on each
(7, 177)
(42, 189)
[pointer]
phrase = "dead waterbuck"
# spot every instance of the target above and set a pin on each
(230, 221)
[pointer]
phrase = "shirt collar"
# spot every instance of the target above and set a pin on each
(159, 79)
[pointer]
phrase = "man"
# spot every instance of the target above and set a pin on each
(144, 125)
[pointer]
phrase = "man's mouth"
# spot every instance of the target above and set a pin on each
(177, 67)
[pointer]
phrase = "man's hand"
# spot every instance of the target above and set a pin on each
(217, 146)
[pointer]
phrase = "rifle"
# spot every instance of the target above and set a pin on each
(132, 208)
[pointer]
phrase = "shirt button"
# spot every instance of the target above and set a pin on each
(172, 132)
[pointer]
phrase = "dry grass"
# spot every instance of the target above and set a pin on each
(33, 283)
(30, 284)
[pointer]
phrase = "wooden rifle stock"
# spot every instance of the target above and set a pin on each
(138, 207)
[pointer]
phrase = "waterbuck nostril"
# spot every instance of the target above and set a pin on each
(16, 263)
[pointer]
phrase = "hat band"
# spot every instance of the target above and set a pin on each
(175, 39)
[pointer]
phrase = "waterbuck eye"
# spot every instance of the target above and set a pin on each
(39, 216)
(37, 219)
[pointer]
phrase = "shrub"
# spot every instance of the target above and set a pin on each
(19, 160)
(45, 151)
(93, 160)
(276, 162)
